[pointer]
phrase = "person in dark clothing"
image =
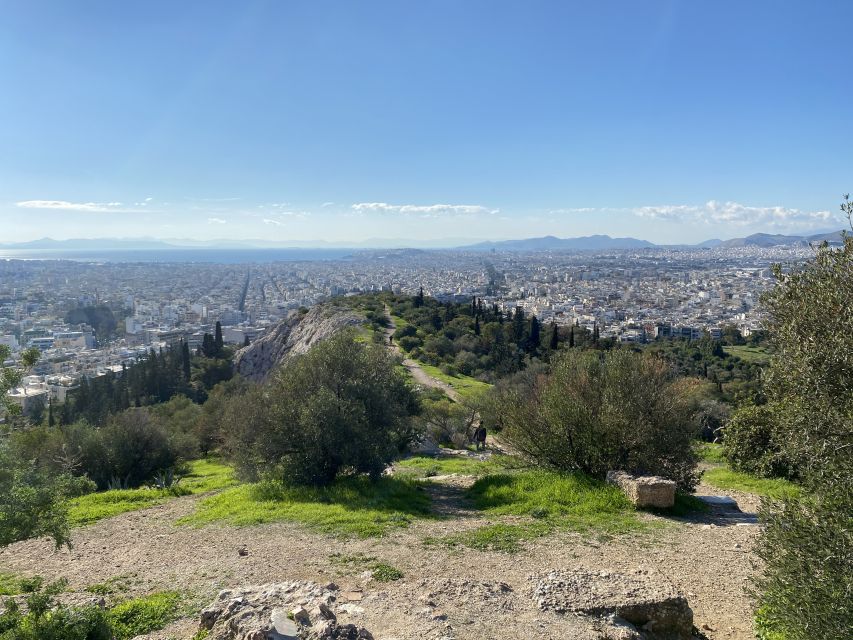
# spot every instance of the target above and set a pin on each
(480, 438)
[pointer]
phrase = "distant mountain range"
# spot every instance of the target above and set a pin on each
(552, 243)
(546, 243)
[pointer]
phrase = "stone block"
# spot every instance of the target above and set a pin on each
(644, 491)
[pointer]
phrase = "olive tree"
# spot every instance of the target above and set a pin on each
(601, 411)
(806, 586)
(343, 407)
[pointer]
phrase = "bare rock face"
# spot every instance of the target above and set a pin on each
(293, 336)
(629, 607)
(284, 611)
(644, 491)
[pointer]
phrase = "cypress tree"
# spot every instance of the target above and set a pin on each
(218, 343)
(50, 419)
(476, 325)
(572, 338)
(555, 337)
(185, 360)
(246, 341)
(534, 336)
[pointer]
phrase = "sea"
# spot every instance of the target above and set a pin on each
(179, 255)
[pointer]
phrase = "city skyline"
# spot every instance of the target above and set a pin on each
(340, 123)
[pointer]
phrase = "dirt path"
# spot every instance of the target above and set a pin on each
(413, 367)
(707, 558)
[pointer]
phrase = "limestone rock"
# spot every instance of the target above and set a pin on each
(644, 491)
(293, 336)
(628, 606)
(283, 611)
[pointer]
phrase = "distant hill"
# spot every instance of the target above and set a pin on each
(552, 243)
(774, 240)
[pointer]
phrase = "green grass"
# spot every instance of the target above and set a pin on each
(399, 323)
(381, 571)
(542, 502)
(571, 501)
(505, 538)
(112, 586)
(12, 585)
(428, 466)
(143, 615)
(756, 355)
(203, 476)
(724, 478)
(351, 506)
(466, 386)
(710, 452)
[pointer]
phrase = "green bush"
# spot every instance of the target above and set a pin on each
(596, 412)
(139, 616)
(341, 408)
(46, 620)
(752, 443)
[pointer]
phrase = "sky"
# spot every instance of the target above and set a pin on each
(348, 121)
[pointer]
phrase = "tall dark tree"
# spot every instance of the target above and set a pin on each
(477, 325)
(51, 421)
(554, 343)
(535, 335)
(246, 341)
(572, 337)
(595, 333)
(217, 338)
(185, 360)
(419, 299)
(518, 325)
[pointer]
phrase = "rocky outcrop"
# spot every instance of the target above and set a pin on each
(283, 611)
(293, 336)
(644, 491)
(629, 607)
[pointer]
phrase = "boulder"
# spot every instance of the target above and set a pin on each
(644, 491)
(628, 606)
(282, 611)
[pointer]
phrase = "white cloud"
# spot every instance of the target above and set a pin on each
(216, 221)
(64, 205)
(427, 211)
(327, 204)
(277, 223)
(734, 213)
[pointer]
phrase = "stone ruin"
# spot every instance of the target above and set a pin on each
(625, 607)
(644, 491)
(283, 611)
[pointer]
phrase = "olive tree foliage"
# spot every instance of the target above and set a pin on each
(601, 411)
(343, 407)
(32, 502)
(805, 590)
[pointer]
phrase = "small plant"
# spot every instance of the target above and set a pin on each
(381, 571)
(111, 586)
(165, 479)
(386, 573)
(47, 620)
(139, 616)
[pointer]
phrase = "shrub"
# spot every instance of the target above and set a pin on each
(139, 616)
(342, 407)
(751, 443)
(595, 412)
(46, 620)
(33, 501)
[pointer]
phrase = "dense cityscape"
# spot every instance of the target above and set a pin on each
(631, 296)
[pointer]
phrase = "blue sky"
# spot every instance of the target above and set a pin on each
(343, 121)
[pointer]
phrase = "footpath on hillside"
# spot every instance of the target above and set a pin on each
(412, 366)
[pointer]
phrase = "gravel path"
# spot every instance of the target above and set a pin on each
(707, 558)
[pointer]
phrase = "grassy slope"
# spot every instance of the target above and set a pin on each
(427, 466)
(204, 476)
(465, 386)
(721, 476)
(350, 506)
(758, 355)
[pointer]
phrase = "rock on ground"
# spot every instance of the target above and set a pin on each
(644, 491)
(631, 606)
(281, 611)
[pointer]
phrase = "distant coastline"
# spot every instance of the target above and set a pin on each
(178, 255)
